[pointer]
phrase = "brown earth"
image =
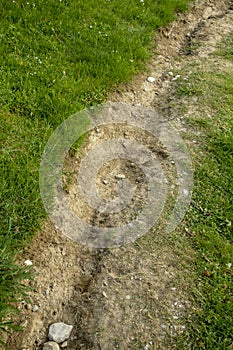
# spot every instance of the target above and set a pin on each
(135, 296)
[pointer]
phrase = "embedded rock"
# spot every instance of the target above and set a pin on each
(59, 332)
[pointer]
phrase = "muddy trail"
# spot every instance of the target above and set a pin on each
(134, 296)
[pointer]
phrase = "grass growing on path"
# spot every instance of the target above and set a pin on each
(210, 218)
(56, 58)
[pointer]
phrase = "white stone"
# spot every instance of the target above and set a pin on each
(150, 79)
(51, 345)
(35, 308)
(105, 295)
(176, 77)
(120, 176)
(59, 332)
(28, 262)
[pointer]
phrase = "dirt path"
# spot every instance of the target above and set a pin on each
(131, 297)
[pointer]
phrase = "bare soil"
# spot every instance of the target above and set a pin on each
(135, 296)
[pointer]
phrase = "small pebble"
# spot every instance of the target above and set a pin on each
(120, 176)
(28, 262)
(73, 337)
(105, 295)
(35, 308)
(176, 77)
(28, 306)
(150, 79)
(51, 345)
(64, 345)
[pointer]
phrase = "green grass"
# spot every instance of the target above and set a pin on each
(56, 58)
(13, 289)
(210, 218)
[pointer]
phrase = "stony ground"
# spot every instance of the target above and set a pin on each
(132, 297)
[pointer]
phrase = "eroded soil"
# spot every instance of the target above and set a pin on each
(132, 297)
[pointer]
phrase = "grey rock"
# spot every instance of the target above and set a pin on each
(59, 332)
(51, 345)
